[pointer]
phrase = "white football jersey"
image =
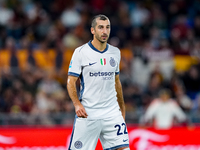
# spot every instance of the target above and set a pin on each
(97, 70)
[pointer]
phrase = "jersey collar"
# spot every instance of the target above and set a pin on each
(90, 44)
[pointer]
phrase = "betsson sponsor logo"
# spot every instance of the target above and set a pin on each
(95, 74)
(146, 138)
(104, 75)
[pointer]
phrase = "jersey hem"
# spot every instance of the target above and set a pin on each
(102, 117)
(119, 146)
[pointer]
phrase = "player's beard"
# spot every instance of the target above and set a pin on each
(99, 38)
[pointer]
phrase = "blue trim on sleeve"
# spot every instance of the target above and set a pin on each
(119, 146)
(116, 73)
(90, 44)
(73, 74)
(82, 87)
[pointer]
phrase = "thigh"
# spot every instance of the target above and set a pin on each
(114, 133)
(85, 134)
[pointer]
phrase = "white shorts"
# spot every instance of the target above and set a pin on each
(112, 133)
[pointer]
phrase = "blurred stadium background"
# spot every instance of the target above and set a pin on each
(159, 43)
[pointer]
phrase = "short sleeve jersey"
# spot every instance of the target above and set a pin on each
(96, 70)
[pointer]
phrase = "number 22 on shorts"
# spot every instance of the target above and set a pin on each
(120, 130)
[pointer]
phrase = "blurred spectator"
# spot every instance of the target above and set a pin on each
(133, 98)
(7, 100)
(59, 56)
(197, 26)
(196, 107)
(166, 59)
(137, 38)
(183, 100)
(36, 13)
(163, 111)
(70, 17)
(27, 102)
(139, 14)
(155, 35)
(42, 28)
(140, 72)
(29, 82)
(52, 37)
(14, 63)
(195, 52)
(57, 7)
(191, 37)
(158, 17)
(97, 5)
(48, 90)
(162, 53)
(191, 80)
(18, 23)
(179, 32)
(61, 30)
(155, 83)
(17, 89)
(31, 59)
(6, 14)
(70, 40)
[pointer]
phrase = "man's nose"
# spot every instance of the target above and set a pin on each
(104, 30)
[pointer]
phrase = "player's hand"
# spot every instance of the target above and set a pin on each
(80, 111)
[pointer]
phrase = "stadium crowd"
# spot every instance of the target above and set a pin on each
(159, 43)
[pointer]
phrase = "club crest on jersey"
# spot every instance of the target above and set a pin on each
(103, 61)
(112, 62)
(78, 144)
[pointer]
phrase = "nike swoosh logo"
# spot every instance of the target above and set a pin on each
(92, 63)
(125, 140)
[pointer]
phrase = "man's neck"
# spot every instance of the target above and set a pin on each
(98, 45)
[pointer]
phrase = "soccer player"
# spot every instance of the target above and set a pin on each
(100, 109)
(163, 111)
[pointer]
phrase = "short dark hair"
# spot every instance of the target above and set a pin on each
(165, 91)
(101, 17)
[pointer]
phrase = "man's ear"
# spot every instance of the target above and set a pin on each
(92, 30)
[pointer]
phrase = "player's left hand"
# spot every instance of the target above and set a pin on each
(80, 111)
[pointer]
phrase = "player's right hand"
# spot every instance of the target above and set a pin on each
(80, 111)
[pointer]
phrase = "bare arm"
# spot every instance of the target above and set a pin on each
(120, 98)
(71, 87)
